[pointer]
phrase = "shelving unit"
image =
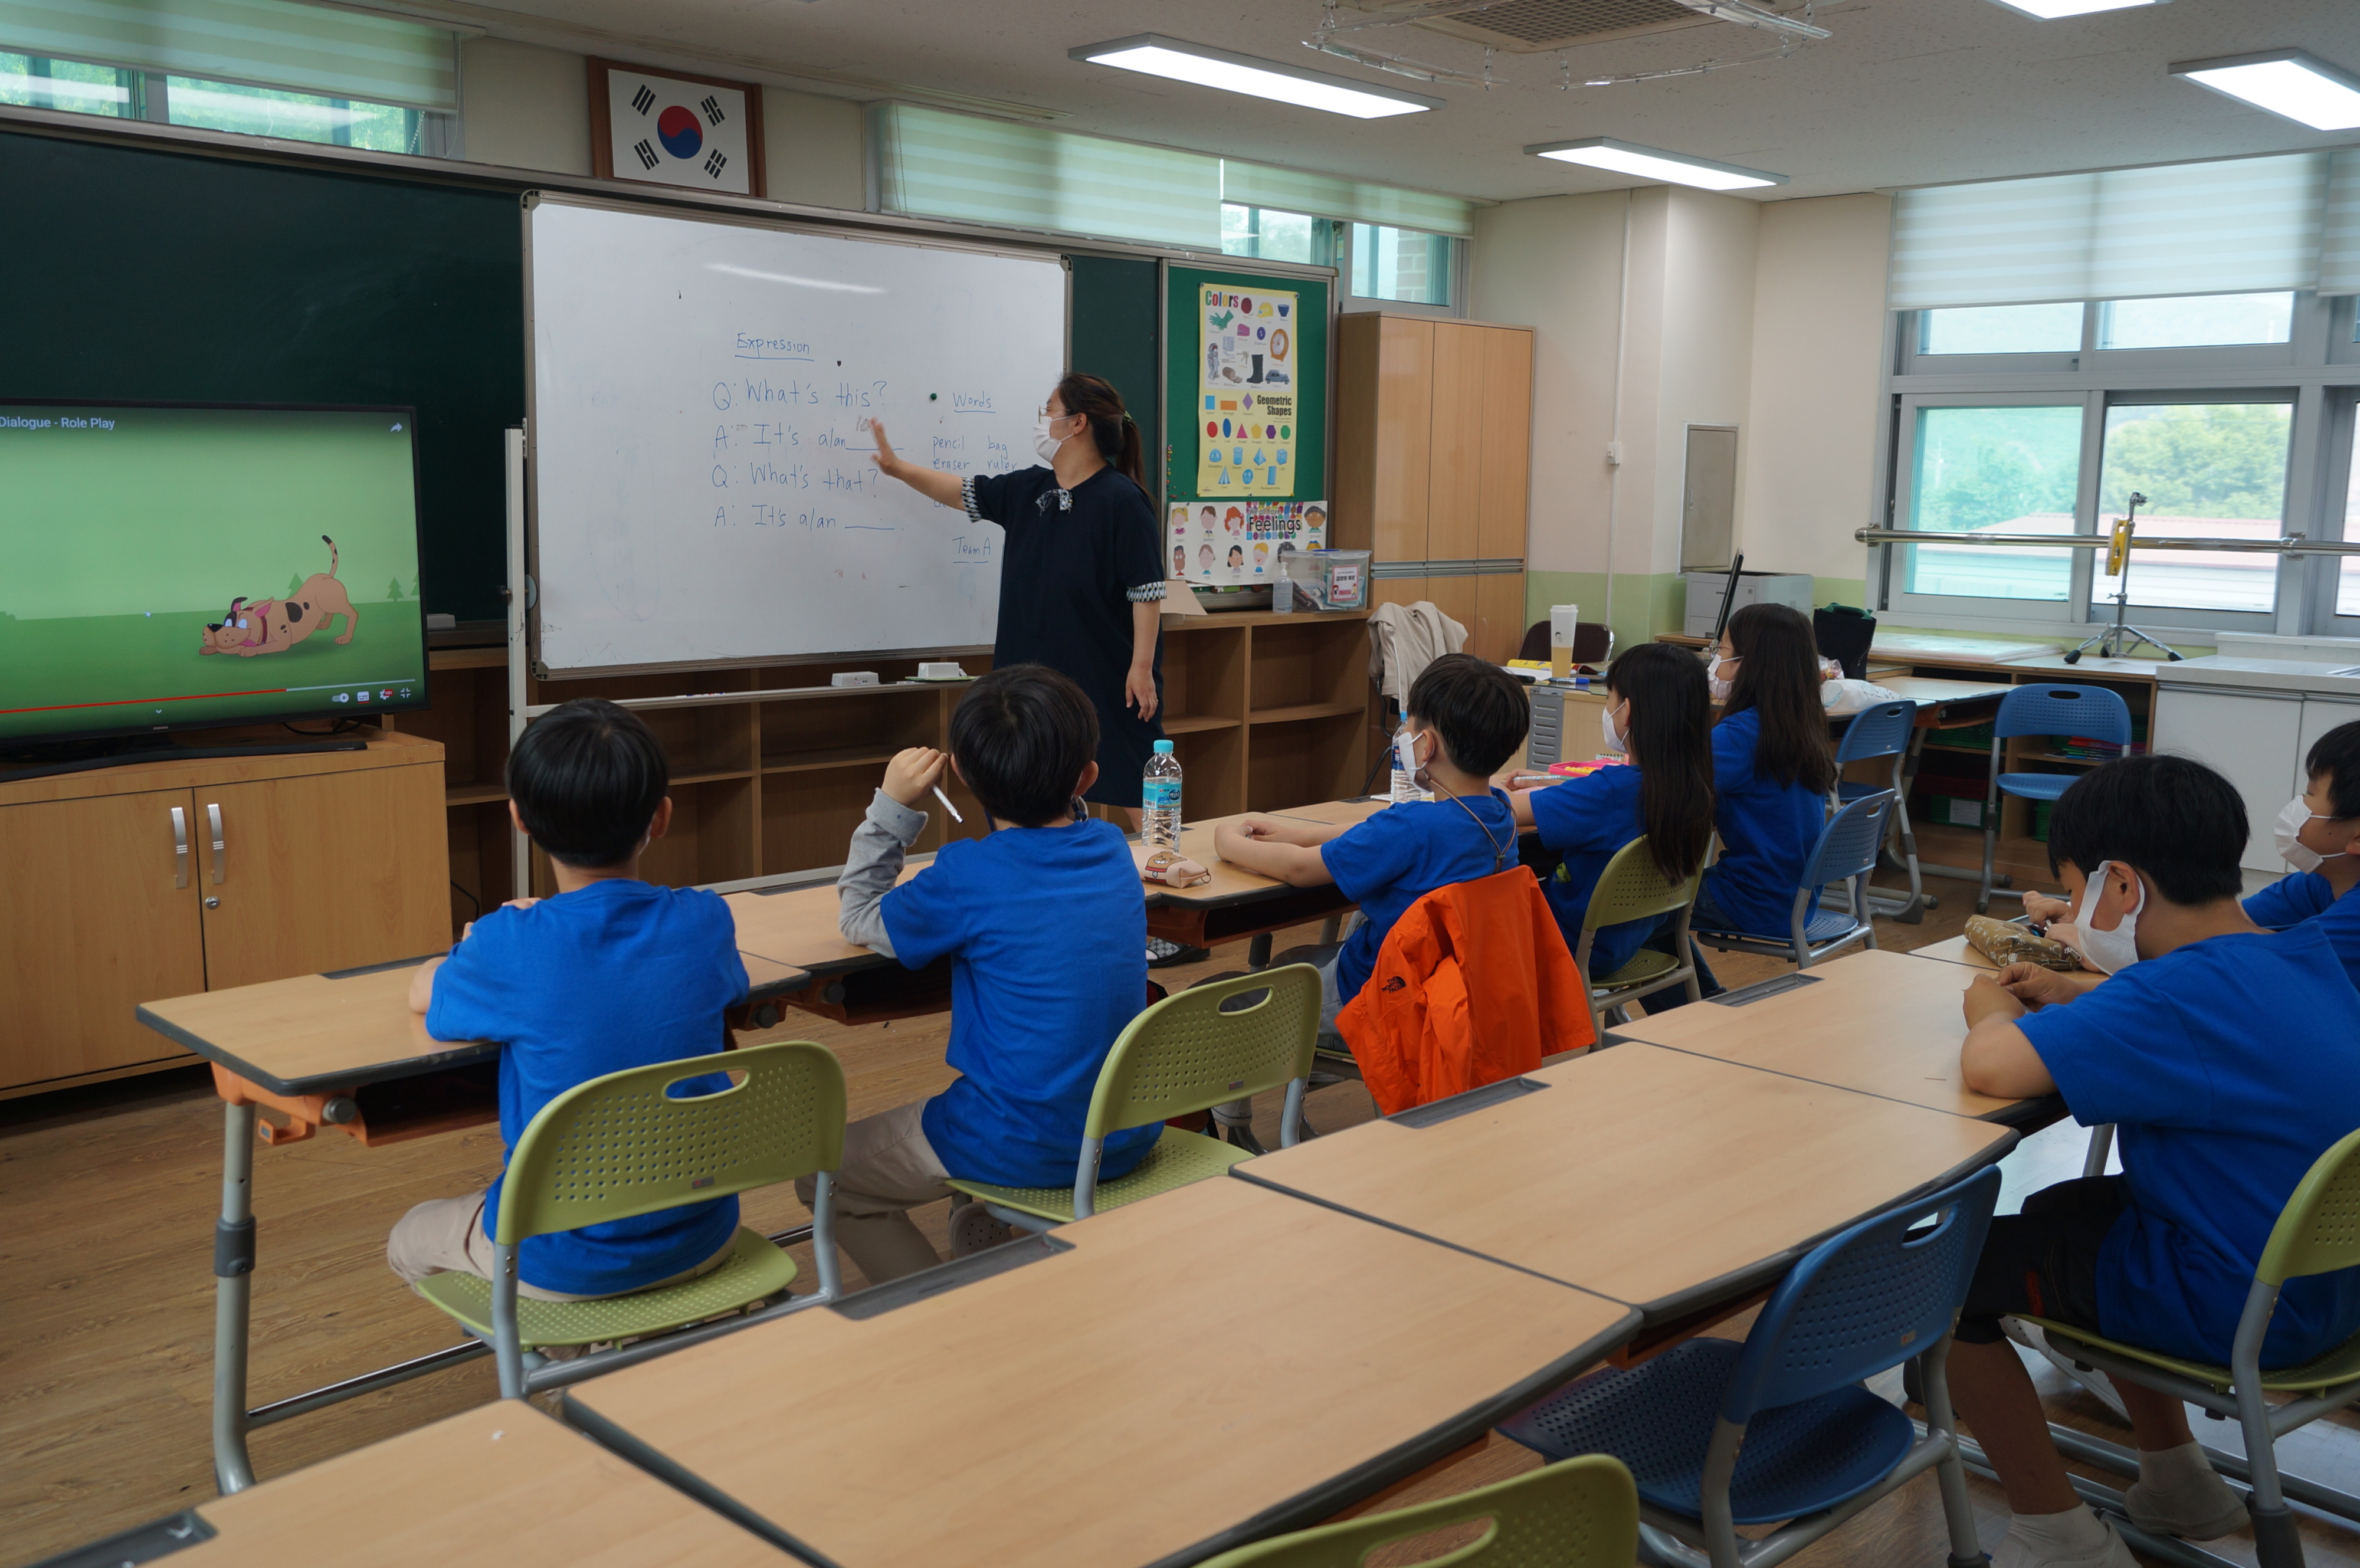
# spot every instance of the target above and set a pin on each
(1266, 712)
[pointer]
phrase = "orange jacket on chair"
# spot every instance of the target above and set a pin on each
(1474, 985)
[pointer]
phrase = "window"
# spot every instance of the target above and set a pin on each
(43, 83)
(2002, 329)
(1407, 265)
(1274, 235)
(2198, 321)
(2005, 470)
(2208, 471)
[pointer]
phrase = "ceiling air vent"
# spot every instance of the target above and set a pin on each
(1533, 26)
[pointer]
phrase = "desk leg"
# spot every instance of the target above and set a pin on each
(232, 1289)
(1912, 909)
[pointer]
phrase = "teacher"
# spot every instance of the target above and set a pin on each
(1081, 578)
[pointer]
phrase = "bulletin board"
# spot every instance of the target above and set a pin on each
(1246, 362)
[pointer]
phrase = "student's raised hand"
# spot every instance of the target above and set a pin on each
(1987, 998)
(912, 773)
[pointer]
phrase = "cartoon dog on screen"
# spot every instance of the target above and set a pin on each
(274, 626)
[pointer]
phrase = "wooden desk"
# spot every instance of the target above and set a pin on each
(495, 1485)
(1339, 813)
(1237, 903)
(1935, 697)
(1176, 1377)
(1659, 1178)
(1881, 1023)
(799, 925)
(1958, 950)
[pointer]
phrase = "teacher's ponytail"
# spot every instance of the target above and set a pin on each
(1111, 425)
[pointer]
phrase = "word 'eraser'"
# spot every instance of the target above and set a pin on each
(933, 669)
(854, 677)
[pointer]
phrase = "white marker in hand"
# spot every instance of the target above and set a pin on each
(946, 800)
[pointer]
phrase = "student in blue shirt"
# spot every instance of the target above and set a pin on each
(1466, 717)
(2228, 1058)
(1655, 710)
(1045, 921)
(608, 972)
(2318, 835)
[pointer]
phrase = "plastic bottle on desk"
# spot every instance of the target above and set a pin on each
(1159, 793)
(1405, 774)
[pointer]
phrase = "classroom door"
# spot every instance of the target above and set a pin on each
(325, 872)
(104, 918)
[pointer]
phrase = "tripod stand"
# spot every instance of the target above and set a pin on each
(2120, 636)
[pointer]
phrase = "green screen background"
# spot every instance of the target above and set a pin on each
(117, 547)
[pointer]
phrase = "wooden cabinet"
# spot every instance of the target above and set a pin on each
(1434, 465)
(127, 891)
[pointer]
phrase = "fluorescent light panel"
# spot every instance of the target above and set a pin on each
(2299, 86)
(2051, 10)
(1157, 55)
(1653, 163)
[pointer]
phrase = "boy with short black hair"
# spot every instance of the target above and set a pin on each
(1466, 718)
(2318, 835)
(609, 973)
(1045, 923)
(2228, 1059)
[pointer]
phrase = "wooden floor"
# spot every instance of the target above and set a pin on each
(106, 1288)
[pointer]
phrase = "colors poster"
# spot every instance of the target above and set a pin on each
(1228, 543)
(1246, 393)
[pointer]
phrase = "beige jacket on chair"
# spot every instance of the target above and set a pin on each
(1403, 640)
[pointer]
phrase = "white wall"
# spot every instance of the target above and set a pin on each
(1707, 346)
(1808, 477)
(524, 106)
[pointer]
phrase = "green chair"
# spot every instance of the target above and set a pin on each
(1632, 888)
(619, 1146)
(1188, 1052)
(1580, 1513)
(2318, 1233)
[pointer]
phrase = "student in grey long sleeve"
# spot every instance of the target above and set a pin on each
(878, 844)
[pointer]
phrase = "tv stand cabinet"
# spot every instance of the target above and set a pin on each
(327, 861)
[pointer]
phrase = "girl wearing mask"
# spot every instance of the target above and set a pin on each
(1655, 712)
(1081, 576)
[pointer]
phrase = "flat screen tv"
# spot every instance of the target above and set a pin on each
(183, 566)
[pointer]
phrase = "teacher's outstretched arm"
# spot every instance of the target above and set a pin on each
(931, 482)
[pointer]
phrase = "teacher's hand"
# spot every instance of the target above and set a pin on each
(886, 461)
(1139, 690)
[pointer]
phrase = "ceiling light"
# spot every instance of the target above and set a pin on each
(2050, 10)
(2286, 81)
(1653, 163)
(1178, 62)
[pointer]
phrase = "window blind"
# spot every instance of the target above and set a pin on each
(2339, 244)
(2236, 226)
(1325, 196)
(263, 43)
(940, 165)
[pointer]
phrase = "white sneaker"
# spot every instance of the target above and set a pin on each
(2015, 1552)
(2205, 1511)
(973, 1230)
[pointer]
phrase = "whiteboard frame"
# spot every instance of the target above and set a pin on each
(533, 199)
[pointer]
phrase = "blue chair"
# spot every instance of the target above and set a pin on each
(1846, 852)
(2091, 712)
(1885, 730)
(1778, 1429)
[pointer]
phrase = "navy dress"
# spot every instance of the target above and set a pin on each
(1075, 562)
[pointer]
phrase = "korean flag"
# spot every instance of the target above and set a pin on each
(670, 131)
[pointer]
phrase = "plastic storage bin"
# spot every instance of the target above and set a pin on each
(1322, 579)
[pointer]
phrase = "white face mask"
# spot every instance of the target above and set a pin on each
(1045, 445)
(1611, 741)
(2111, 951)
(2291, 821)
(1720, 687)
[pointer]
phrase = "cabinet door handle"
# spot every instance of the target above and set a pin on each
(179, 847)
(221, 850)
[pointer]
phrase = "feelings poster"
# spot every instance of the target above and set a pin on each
(1238, 542)
(1246, 393)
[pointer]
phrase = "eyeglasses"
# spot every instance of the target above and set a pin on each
(1049, 413)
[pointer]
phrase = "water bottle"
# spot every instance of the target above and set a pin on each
(1404, 776)
(1159, 792)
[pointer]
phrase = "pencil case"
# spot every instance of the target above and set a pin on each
(2005, 943)
(1174, 870)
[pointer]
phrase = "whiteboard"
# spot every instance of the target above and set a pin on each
(702, 488)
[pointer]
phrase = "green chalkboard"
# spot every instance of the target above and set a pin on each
(1183, 426)
(1114, 335)
(151, 276)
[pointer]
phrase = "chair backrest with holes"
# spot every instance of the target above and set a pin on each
(619, 1146)
(1866, 1300)
(1581, 1513)
(1633, 887)
(1881, 731)
(2092, 713)
(1190, 1052)
(2319, 1230)
(1849, 843)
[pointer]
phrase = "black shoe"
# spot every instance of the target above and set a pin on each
(1161, 955)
